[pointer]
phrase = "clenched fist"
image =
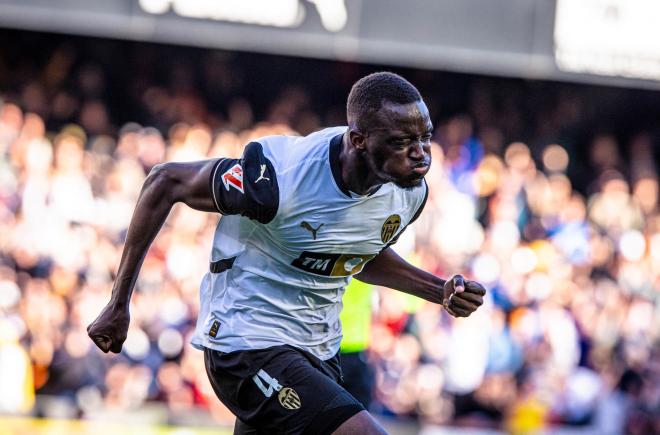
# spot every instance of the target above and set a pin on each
(460, 297)
(109, 329)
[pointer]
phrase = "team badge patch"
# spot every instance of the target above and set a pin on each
(213, 332)
(234, 178)
(390, 228)
(289, 398)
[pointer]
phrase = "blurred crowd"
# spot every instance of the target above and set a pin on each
(543, 192)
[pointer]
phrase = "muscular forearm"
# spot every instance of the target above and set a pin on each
(151, 210)
(390, 270)
(167, 184)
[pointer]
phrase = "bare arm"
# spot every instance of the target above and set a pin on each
(388, 269)
(166, 184)
(460, 297)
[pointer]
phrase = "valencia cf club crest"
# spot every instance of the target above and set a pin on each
(234, 178)
(289, 398)
(390, 227)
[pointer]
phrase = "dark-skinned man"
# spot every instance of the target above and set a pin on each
(301, 215)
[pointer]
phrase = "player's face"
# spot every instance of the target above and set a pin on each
(398, 143)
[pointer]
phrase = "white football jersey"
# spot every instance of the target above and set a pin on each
(291, 238)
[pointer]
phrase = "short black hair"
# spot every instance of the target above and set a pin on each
(368, 94)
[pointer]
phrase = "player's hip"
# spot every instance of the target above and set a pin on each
(281, 389)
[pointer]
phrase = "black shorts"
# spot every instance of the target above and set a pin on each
(281, 390)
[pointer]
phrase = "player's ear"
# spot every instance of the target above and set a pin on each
(358, 140)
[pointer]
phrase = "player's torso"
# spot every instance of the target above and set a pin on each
(283, 280)
(324, 233)
(320, 232)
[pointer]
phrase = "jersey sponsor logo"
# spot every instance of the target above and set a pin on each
(352, 263)
(306, 225)
(289, 399)
(214, 328)
(320, 263)
(261, 175)
(390, 228)
(234, 178)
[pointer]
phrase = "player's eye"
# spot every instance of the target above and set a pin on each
(400, 141)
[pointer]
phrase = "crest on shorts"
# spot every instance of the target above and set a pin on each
(390, 227)
(289, 398)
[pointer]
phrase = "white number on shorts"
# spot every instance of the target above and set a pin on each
(272, 383)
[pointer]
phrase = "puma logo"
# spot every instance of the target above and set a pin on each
(310, 228)
(261, 176)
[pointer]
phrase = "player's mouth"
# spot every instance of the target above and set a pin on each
(421, 169)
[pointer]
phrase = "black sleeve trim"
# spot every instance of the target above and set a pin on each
(413, 219)
(222, 265)
(421, 206)
(246, 186)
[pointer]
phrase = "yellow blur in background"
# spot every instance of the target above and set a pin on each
(30, 426)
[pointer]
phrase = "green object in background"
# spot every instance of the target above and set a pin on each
(411, 304)
(356, 317)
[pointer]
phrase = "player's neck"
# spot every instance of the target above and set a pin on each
(355, 172)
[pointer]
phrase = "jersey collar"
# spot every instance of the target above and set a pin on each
(335, 166)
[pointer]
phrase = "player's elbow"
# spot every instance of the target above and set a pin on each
(159, 172)
(162, 182)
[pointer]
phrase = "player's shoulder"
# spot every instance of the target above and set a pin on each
(415, 198)
(319, 136)
(289, 150)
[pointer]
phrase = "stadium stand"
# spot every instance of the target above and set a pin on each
(546, 192)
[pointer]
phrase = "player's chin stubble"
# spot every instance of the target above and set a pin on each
(409, 183)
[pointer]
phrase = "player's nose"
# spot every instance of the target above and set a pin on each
(417, 152)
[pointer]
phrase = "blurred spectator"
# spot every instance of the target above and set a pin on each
(16, 381)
